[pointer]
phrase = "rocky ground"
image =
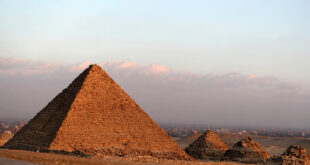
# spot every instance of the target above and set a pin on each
(50, 158)
(274, 145)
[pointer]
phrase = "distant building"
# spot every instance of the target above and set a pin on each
(303, 134)
(8, 132)
(242, 132)
(254, 132)
(223, 130)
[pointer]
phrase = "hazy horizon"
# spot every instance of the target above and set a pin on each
(168, 96)
(200, 62)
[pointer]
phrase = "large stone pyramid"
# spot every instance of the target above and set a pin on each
(95, 116)
(208, 146)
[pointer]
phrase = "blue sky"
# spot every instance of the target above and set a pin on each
(157, 49)
(264, 37)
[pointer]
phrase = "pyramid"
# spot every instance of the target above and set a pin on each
(93, 115)
(295, 154)
(247, 150)
(208, 146)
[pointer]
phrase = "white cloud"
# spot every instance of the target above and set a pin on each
(163, 93)
(9, 63)
(127, 65)
(158, 69)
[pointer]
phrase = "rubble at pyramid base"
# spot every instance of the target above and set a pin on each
(122, 152)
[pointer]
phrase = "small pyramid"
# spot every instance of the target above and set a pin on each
(296, 155)
(247, 150)
(94, 116)
(208, 146)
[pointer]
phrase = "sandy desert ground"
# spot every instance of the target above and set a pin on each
(274, 145)
(50, 158)
(7, 161)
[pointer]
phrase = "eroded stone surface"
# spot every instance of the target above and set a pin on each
(96, 117)
(247, 150)
(208, 146)
(295, 155)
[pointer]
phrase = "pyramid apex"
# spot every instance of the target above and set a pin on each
(208, 131)
(95, 68)
(92, 66)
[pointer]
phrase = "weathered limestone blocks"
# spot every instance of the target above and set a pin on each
(208, 147)
(94, 115)
(247, 150)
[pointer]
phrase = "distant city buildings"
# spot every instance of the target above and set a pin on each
(222, 130)
(11, 127)
(182, 131)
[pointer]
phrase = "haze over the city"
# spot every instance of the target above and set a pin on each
(242, 63)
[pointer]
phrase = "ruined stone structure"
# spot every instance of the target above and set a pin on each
(247, 150)
(208, 147)
(93, 115)
(295, 155)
